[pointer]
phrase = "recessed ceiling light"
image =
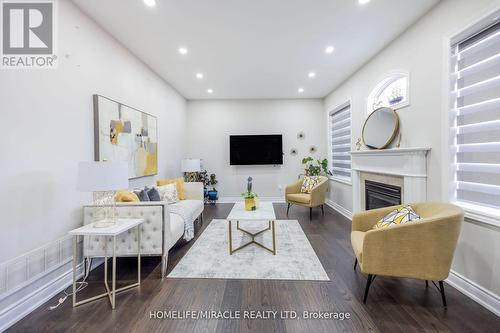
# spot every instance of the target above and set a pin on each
(329, 49)
(311, 74)
(300, 90)
(150, 3)
(210, 91)
(199, 76)
(363, 2)
(183, 50)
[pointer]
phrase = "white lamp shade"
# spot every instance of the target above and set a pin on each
(191, 165)
(102, 176)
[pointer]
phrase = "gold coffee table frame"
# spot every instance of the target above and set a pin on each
(271, 226)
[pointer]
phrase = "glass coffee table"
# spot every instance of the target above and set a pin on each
(265, 212)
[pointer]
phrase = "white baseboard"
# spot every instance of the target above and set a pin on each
(474, 291)
(340, 209)
(46, 288)
(239, 199)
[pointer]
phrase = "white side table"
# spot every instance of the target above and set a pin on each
(121, 226)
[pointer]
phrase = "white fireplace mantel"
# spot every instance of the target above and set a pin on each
(410, 164)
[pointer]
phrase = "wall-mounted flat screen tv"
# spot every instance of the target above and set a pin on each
(255, 149)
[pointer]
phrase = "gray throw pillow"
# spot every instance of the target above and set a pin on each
(153, 194)
(142, 194)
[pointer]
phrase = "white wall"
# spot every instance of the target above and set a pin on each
(47, 128)
(421, 51)
(211, 122)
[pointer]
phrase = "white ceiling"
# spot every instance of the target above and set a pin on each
(255, 48)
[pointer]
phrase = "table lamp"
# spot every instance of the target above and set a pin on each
(103, 179)
(191, 167)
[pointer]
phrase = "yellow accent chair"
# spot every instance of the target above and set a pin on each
(316, 198)
(422, 249)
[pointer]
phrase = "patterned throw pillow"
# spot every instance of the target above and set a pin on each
(309, 183)
(179, 183)
(168, 193)
(398, 216)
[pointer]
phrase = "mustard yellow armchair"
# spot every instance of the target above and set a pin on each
(421, 249)
(317, 198)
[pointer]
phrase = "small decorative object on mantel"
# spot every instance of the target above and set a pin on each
(251, 198)
(398, 145)
(301, 135)
(313, 149)
(358, 144)
(293, 151)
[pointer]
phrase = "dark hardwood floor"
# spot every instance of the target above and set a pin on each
(394, 305)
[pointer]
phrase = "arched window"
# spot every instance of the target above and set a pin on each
(393, 91)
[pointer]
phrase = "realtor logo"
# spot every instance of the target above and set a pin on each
(28, 34)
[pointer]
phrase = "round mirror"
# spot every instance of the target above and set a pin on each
(380, 128)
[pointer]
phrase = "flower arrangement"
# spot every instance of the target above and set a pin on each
(251, 198)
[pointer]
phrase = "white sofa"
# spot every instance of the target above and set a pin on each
(160, 231)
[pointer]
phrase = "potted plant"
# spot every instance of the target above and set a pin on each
(203, 178)
(212, 194)
(251, 198)
(316, 167)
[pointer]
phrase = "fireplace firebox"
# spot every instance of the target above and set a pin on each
(378, 195)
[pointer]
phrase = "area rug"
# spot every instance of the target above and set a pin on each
(209, 257)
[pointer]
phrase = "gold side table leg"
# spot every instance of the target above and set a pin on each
(75, 241)
(106, 265)
(139, 255)
(114, 274)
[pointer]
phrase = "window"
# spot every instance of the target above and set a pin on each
(475, 121)
(391, 92)
(340, 142)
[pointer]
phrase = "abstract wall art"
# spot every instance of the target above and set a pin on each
(122, 133)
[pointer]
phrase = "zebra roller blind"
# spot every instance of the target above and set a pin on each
(475, 116)
(340, 131)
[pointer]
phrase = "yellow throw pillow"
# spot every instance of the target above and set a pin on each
(309, 183)
(179, 184)
(398, 216)
(126, 196)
